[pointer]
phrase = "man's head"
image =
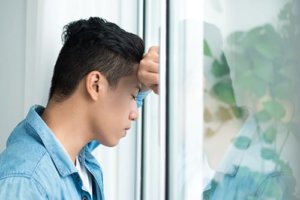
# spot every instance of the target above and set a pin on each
(94, 45)
(98, 63)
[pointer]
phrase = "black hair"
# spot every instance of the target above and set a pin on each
(94, 44)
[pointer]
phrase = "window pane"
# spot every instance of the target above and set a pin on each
(151, 172)
(251, 114)
(185, 99)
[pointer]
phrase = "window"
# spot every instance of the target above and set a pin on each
(250, 107)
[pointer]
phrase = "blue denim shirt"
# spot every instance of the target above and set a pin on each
(34, 164)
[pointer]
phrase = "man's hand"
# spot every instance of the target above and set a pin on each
(148, 70)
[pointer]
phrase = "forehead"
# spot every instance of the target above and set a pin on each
(130, 82)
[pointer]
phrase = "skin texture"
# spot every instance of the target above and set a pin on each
(96, 111)
(148, 73)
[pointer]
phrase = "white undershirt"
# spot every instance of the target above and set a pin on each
(85, 177)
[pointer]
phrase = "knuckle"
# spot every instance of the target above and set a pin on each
(142, 63)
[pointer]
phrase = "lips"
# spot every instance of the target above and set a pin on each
(125, 131)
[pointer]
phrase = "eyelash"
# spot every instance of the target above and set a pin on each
(134, 97)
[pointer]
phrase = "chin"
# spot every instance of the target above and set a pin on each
(110, 143)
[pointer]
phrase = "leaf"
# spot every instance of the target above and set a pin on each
(268, 154)
(251, 37)
(224, 91)
(223, 114)
(275, 109)
(282, 90)
(268, 43)
(242, 142)
(219, 70)
(206, 49)
(270, 134)
(253, 84)
(235, 38)
(238, 112)
(263, 116)
(207, 116)
(209, 132)
(224, 62)
(263, 69)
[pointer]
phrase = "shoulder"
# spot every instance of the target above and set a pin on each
(25, 169)
(23, 155)
(21, 187)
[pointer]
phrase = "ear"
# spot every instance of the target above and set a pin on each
(95, 83)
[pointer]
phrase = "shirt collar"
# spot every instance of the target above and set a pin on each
(58, 154)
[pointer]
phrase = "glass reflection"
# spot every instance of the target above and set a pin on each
(251, 109)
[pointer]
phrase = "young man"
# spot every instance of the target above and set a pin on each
(100, 78)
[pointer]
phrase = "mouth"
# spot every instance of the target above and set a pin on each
(125, 131)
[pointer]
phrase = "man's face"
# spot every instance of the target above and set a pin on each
(114, 113)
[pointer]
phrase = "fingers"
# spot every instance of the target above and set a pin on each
(153, 53)
(154, 88)
(149, 78)
(149, 65)
(148, 71)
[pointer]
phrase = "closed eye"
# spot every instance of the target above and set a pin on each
(134, 97)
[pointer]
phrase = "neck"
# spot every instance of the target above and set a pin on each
(68, 122)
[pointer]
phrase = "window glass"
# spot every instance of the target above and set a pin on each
(251, 113)
(184, 99)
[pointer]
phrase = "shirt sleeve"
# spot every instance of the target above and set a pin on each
(21, 188)
(140, 97)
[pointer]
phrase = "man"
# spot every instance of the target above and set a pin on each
(99, 80)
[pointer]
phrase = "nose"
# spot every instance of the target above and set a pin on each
(134, 113)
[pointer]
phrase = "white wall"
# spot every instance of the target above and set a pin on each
(29, 45)
(12, 62)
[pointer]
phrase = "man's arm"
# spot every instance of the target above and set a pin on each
(148, 72)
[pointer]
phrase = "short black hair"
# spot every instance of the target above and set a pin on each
(94, 44)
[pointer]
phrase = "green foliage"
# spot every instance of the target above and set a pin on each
(238, 112)
(263, 116)
(266, 64)
(263, 69)
(207, 51)
(275, 109)
(223, 114)
(242, 142)
(224, 91)
(268, 154)
(269, 135)
(282, 90)
(218, 70)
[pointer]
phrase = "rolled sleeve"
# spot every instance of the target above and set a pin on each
(141, 96)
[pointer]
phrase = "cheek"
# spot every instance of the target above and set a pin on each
(122, 104)
(117, 111)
